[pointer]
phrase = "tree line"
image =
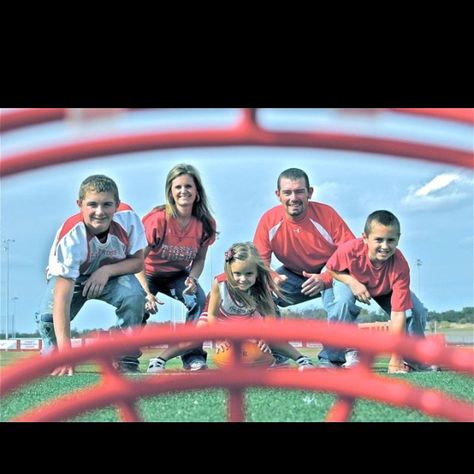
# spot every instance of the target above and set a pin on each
(466, 315)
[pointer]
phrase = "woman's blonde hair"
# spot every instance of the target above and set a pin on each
(260, 295)
(200, 206)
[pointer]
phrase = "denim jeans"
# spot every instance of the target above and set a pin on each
(415, 318)
(123, 292)
(173, 286)
(338, 305)
(341, 307)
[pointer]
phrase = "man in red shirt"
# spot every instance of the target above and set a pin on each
(373, 267)
(303, 234)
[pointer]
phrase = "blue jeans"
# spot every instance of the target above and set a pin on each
(123, 292)
(173, 286)
(338, 304)
(341, 308)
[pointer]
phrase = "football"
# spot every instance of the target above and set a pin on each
(251, 355)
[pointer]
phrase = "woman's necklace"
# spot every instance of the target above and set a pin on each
(182, 227)
(183, 222)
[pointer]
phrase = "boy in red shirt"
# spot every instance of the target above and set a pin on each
(373, 267)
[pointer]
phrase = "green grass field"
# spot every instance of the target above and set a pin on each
(262, 405)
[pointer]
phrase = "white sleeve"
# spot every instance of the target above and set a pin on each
(68, 253)
(132, 224)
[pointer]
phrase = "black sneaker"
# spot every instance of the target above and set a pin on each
(417, 367)
(197, 363)
(280, 360)
(328, 364)
(127, 368)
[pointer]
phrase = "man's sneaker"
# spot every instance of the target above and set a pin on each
(304, 362)
(127, 368)
(417, 367)
(328, 364)
(157, 364)
(197, 364)
(352, 359)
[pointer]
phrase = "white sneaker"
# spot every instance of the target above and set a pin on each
(304, 363)
(197, 364)
(352, 359)
(156, 365)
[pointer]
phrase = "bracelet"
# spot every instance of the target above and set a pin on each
(195, 280)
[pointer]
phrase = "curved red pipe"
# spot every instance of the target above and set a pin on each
(13, 119)
(457, 115)
(240, 135)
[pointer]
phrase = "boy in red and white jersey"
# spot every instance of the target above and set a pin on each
(94, 256)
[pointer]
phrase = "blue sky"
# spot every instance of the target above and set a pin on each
(434, 202)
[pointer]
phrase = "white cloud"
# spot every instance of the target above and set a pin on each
(443, 190)
(437, 183)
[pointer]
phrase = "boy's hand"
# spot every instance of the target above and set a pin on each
(313, 285)
(63, 370)
(95, 284)
(360, 292)
(151, 303)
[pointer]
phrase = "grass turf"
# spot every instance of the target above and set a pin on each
(262, 404)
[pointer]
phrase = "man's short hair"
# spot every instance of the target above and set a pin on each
(293, 174)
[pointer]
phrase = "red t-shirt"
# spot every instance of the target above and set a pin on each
(393, 275)
(305, 244)
(179, 247)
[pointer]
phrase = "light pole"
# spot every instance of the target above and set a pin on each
(14, 300)
(6, 247)
(419, 263)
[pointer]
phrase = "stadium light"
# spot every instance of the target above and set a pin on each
(6, 247)
(419, 263)
(14, 300)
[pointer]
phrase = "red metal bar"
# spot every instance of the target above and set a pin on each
(346, 383)
(465, 115)
(341, 410)
(236, 405)
(107, 147)
(12, 119)
(355, 383)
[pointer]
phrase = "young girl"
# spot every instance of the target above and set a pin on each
(243, 291)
